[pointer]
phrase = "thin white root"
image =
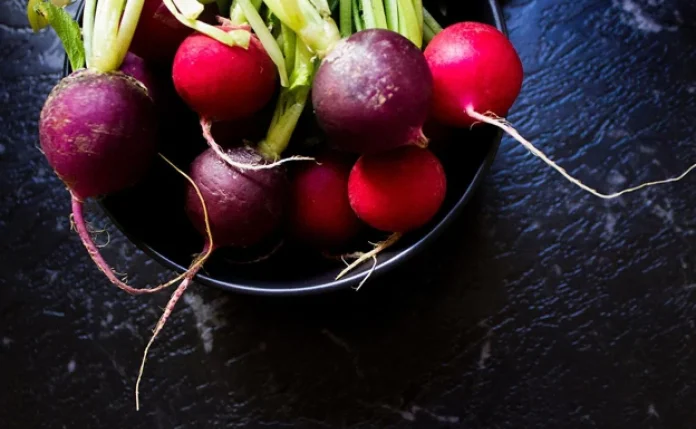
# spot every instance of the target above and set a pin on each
(160, 324)
(379, 247)
(492, 119)
(206, 126)
(369, 273)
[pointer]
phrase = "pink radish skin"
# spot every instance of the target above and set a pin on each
(223, 83)
(474, 66)
(397, 191)
(320, 213)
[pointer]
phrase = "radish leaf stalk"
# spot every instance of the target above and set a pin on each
(311, 21)
(291, 102)
(346, 17)
(231, 38)
(265, 37)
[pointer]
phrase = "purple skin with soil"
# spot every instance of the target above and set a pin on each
(98, 132)
(372, 92)
(244, 206)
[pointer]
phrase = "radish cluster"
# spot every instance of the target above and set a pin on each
(251, 76)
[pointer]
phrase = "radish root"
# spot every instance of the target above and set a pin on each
(493, 119)
(372, 254)
(206, 126)
(187, 276)
(78, 222)
(160, 324)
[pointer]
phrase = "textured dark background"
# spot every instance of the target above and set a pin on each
(542, 307)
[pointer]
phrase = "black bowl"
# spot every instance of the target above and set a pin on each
(151, 214)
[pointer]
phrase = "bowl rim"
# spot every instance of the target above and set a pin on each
(296, 287)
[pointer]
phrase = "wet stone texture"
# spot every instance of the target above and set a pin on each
(542, 307)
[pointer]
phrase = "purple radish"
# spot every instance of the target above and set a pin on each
(372, 92)
(230, 207)
(98, 126)
(244, 206)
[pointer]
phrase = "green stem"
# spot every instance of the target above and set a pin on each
(289, 46)
(392, 9)
(418, 7)
(237, 14)
(267, 40)
(408, 23)
(357, 19)
(380, 16)
(279, 134)
(291, 103)
(190, 9)
(431, 24)
(428, 34)
(311, 21)
(346, 20)
(369, 14)
(129, 22)
(105, 34)
(229, 38)
(88, 28)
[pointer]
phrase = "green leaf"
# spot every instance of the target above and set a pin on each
(66, 28)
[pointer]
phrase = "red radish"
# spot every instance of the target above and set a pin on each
(372, 92)
(474, 66)
(223, 83)
(397, 191)
(320, 213)
(477, 75)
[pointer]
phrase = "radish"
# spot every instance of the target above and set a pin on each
(320, 213)
(97, 127)
(372, 92)
(223, 83)
(397, 191)
(254, 82)
(474, 68)
(244, 207)
(230, 207)
(477, 75)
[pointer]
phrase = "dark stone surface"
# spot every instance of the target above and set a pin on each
(543, 307)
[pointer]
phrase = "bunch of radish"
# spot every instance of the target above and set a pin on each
(370, 83)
